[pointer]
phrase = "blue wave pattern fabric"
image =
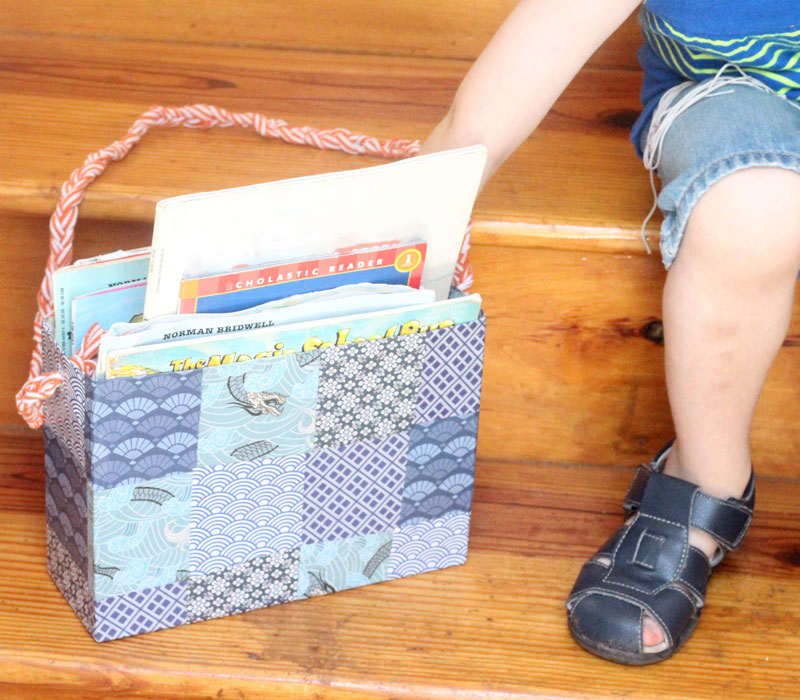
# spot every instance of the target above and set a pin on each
(66, 500)
(176, 498)
(244, 511)
(428, 545)
(329, 567)
(65, 413)
(691, 40)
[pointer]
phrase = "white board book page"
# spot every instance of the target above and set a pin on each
(426, 198)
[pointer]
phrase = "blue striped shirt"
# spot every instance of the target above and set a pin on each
(693, 39)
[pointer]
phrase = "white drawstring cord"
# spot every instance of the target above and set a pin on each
(670, 108)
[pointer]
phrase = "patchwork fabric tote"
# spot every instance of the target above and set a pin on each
(178, 497)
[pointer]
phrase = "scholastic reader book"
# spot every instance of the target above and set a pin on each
(426, 198)
(93, 275)
(242, 289)
(284, 340)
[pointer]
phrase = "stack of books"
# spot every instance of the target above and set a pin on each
(278, 268)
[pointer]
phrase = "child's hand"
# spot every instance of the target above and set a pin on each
(534, 55)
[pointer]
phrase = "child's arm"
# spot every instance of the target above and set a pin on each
(534, 55)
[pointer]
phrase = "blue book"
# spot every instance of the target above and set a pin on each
(93, 275)
(114, 305)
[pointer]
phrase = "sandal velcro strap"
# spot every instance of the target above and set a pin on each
(726, 521)
(652, 551)
(633, 498)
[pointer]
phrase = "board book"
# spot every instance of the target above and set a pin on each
(426, 198)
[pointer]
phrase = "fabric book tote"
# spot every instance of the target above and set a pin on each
(176, 498)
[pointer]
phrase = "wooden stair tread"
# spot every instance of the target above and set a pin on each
(65, 97)
(570, 373)
(434, 29)
(493, 628)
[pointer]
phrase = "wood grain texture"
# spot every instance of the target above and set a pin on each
(64, 97)
(493, 628)
(435, 28)
(570, 375)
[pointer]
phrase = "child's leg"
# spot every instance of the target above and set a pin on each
(730, 172)
(727, 303)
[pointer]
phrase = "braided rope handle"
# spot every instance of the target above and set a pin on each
(38, 386)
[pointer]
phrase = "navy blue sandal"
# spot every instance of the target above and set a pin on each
(647, 567)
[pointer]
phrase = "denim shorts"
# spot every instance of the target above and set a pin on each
(718, 135)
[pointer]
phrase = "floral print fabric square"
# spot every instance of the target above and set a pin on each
(70, 580)
(259, 408)
(368, 390)
(253, 584)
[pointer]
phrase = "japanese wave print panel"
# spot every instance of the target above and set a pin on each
(245, 510)
(144, 427)
(65, 412)
(441, 468)
(328, 567)
(259, 408)
(66, 500)
(429, 545)
(141, 535)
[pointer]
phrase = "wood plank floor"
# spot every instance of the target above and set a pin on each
(494, 628)
(67, 94)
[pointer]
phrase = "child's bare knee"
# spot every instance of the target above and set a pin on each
(749, 219)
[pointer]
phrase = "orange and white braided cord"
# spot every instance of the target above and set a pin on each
(39, 387)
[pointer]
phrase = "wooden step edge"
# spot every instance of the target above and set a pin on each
(118, 204)
(594, 239)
